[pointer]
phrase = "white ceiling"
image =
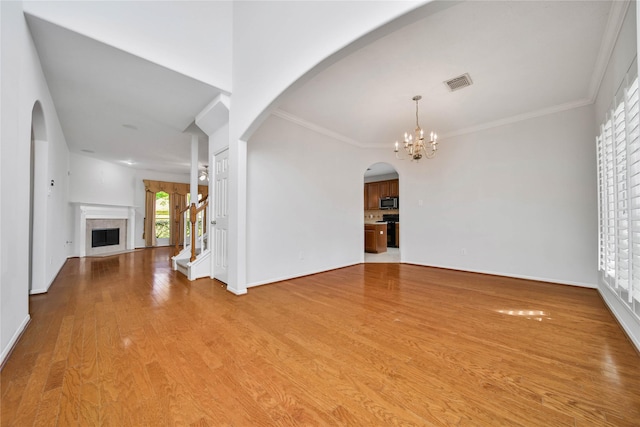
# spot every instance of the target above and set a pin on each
(117, 106)
(523, 57)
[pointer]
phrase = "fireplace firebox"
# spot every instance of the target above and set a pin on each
(105, 237)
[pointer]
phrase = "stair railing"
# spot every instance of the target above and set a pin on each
(183, 232)
(194, 212)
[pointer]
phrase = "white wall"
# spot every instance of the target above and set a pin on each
(193, 38)
(304, 203)
(520, 199)
(263, 67)
(22, 85)
(516, 200)
(95, 181)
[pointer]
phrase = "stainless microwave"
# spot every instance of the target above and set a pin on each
(389, 203)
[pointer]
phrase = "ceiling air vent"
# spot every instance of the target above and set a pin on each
(459, 82)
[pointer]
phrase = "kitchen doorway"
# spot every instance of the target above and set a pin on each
(381, 214)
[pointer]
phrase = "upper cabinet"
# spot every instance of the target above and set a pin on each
(372, 201)
(394, 188)
(374, 191)
(384, 189)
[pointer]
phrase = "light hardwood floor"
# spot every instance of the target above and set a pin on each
(125, 341)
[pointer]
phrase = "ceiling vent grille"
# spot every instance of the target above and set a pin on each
(459, 82)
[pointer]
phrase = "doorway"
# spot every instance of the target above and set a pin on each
(220, 213)
(381, 214)
(38, 190)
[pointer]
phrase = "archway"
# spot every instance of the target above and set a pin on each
(381, 213)
(38, 201)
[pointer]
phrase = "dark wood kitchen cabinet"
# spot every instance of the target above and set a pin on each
(394, 188)
(384, 189)
(375, 238)
(372, 199)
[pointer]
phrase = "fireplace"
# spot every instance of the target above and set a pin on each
(105, 237)
(103, 230)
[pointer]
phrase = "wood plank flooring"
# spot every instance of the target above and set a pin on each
(125, 341)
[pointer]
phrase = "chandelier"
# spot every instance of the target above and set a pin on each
(415, 146)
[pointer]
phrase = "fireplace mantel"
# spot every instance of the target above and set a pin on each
(85, 212)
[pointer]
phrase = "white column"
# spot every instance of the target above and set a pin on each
(194, 169)
(237, 273)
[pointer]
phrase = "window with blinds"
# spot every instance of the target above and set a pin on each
(618, 151)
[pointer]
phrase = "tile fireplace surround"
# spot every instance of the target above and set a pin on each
(96, 224)
(90, 217)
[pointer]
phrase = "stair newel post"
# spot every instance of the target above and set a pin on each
(192, 218)
(176, 218)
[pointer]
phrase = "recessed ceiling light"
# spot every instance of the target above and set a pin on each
(129, 162)
(128, 126)
(84, 150)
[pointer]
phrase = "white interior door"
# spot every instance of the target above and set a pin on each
(221, 216)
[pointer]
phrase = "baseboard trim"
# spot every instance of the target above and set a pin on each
(514, 276)
(53, 279)
(623, 315)
(6, 352)
(298, 276)
(236, 291)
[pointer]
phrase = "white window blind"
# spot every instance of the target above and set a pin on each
(632, 102)
(618, 151)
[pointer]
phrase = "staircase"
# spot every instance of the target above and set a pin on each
(194, 259)
(201, 267)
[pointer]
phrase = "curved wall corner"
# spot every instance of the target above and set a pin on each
(299, 46)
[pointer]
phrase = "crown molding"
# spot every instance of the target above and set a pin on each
(484, 126)
(317, 128)
(518, 118)
(611, 32)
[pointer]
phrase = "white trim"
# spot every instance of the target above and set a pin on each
(55, 276)
(316, 128)
(296, 276)
(104, 212)
(617, 14)
(519, 118)
(237, 292)
(489, 125)
(627, 320)
(214, 115)
(514, 276)
(215, 153)
(14, 339)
